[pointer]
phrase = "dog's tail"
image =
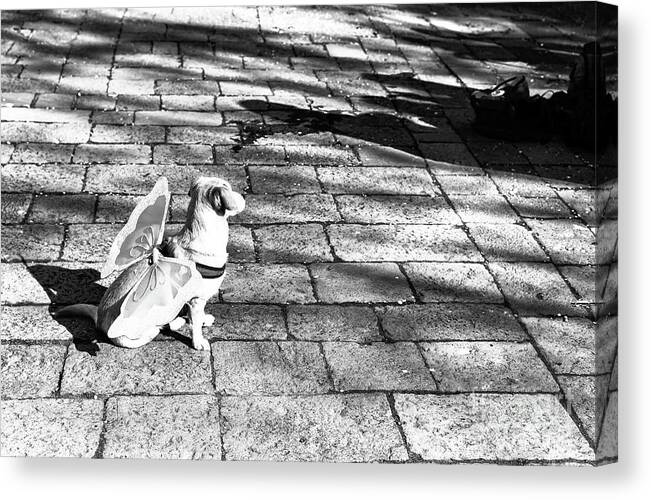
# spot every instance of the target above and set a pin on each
(87, 310)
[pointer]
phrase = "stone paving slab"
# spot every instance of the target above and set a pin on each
(31, 371)
(453, 282)
(157, 368)
(377, 366)
(51, 427)
(498, 427)
(450, 321)
(487, 366)
(346, 428)
(333, 323)
(173, 427)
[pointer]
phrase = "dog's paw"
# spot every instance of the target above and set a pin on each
(201, 344)
(176, 324)
(208, 319)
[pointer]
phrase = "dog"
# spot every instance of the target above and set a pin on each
(202, 240)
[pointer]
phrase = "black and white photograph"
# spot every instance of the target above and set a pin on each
(316, 233)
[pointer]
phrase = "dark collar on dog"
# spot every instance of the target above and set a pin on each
(208, 272)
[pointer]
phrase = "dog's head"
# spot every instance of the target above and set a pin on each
(217, 194)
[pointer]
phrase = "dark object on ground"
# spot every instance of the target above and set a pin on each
(585, 115)
(508, 112)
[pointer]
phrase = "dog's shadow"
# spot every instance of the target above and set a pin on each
(66, 286)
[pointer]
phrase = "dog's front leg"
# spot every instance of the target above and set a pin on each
(197, 318)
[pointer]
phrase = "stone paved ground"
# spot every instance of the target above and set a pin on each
(401, 288)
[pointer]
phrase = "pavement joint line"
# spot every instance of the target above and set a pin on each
(101, 444)
(412, 456)
(328, 369)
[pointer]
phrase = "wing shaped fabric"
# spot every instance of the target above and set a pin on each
(142, 232)
(157, 297)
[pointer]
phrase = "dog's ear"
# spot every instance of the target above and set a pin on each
(224, 200)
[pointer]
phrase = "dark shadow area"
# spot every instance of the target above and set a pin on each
(72, 286)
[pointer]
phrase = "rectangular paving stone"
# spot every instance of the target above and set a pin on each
(487, 366)
(467, 185)
(449, 157)
(274, 209)
(138, 102)
(96, 102)
(32, 323)
(576, 346)
(188, 102)
(51, 427)
(156, 368)
(396, 209)
(193, 88)
(14, 207)
(240, 246)
(332, 428)
(140, 179)
(266, 283)
(409, 242)
(115, 208)
(71, 133)
(293, 243)
(516, 184)
(44, 115)
(250, 155)
(116, 86)
(397, 366)
(333, 323)
(486, 209)
(19, 286)
(567, 241)
(127, 134)
(497, 153)
(31, 242)
(113, 153)
(506, 242)
(246, 322)
(172, 427)
(289, 179)
(540, 208)
(112, 117)
(269, 368)
(42, 153)
(30, 371)
(452, 282)
(310, 154)
(535, 289)
(89, 242)
(376, 180)
(347, 282)
(22, 99)
(183, 154)
(184, 118)
(450, 321)
(492, 426)
(244, 88)
(202, 135)
(57, 209)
